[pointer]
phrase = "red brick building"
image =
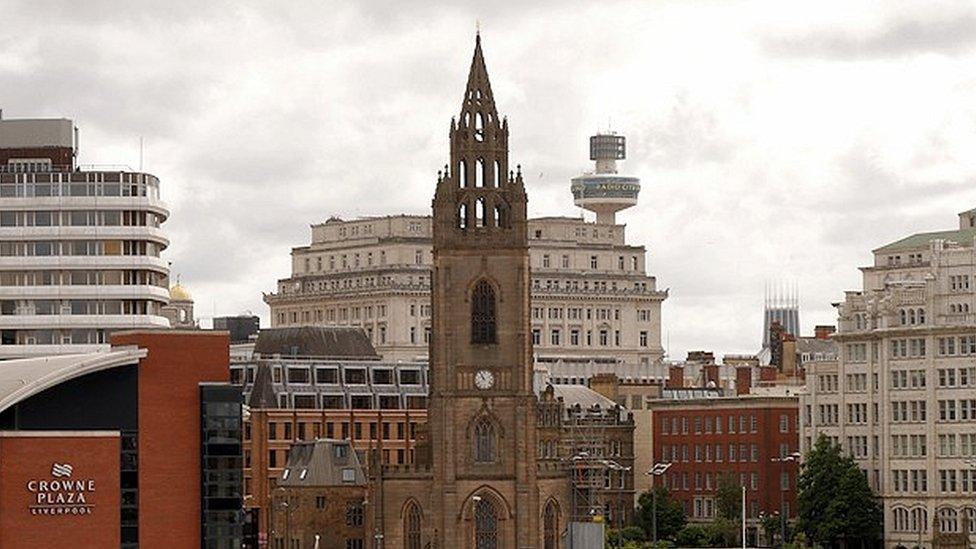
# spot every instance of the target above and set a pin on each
(149, 434)
(745, 436)
(269, 434)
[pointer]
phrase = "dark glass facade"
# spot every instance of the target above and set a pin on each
(222, 469)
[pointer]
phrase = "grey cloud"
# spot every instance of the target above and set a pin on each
(947, 34)
(264, 118)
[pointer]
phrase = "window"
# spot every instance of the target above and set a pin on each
(484, 441)
(411, 527)
(483, 313)
(550, 526)
(354, 513)
(485, 525)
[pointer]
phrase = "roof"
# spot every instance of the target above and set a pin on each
(814, 345)
(262, 391)
(24, 378)
(316, 341)
(582, 395)
(322, 462)
(964, 237)
(179, 293)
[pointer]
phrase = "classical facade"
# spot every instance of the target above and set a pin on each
(79, 248)
(900, 395)
(481, 483)
(594, 307)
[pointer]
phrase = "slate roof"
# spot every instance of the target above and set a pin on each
(262, 391)
(322, 462)
(963, 237)
(336, 342)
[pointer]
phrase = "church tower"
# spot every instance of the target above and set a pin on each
(486, 488)
(482, 407)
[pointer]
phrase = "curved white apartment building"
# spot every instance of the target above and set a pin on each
(79, 249)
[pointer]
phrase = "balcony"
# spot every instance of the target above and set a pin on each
(90, 291)
(55, 322)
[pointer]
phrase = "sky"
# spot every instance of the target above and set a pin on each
(777, 143)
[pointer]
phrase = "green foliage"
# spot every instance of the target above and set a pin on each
(692, 535)
(835, 502)
(723, 532)
(616, 537)
(728, 497)
(770, 525)
(670, 515)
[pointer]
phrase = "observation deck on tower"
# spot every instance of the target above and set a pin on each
(605, 192)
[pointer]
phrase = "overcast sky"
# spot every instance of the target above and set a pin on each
(776, 142)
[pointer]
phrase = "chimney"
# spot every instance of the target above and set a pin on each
(823, 331)
(743, 380)
(789, 356)
(767, 373)
(710, 375)
(606, 384)
(676, 377)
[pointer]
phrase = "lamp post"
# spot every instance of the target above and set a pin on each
(287, 522)
(657, 470)
(783, 515)
(614, 466)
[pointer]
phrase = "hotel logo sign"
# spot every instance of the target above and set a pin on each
(61, 494)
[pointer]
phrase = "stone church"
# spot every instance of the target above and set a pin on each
(478, 482)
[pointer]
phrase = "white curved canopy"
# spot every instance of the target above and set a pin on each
(23, 378)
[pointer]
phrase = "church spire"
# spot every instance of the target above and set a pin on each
(478, 99)
(478, 195)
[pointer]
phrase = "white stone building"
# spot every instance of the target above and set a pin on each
(594, 307)
(592, 299)
(901, 398)
(79, 248)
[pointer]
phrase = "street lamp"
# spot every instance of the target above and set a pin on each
(783, 515)
(657, 470)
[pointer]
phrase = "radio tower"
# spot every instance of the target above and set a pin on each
(604, 192)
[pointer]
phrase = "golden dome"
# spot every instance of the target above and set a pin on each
(179, 293)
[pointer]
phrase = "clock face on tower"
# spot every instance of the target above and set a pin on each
(484, 379)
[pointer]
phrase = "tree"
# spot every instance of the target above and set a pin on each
(670, 514)
(770, 525)
(692, 535)
(835, 502)
(723, 532)
(728, 497)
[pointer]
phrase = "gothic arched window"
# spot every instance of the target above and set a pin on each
(462, 172)
(948, 520)
(483, 313)
(485, 525)
(550, 527)
(484, 441)
(463, 216)
(411, 527)
(480, 212)
(480, 173)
